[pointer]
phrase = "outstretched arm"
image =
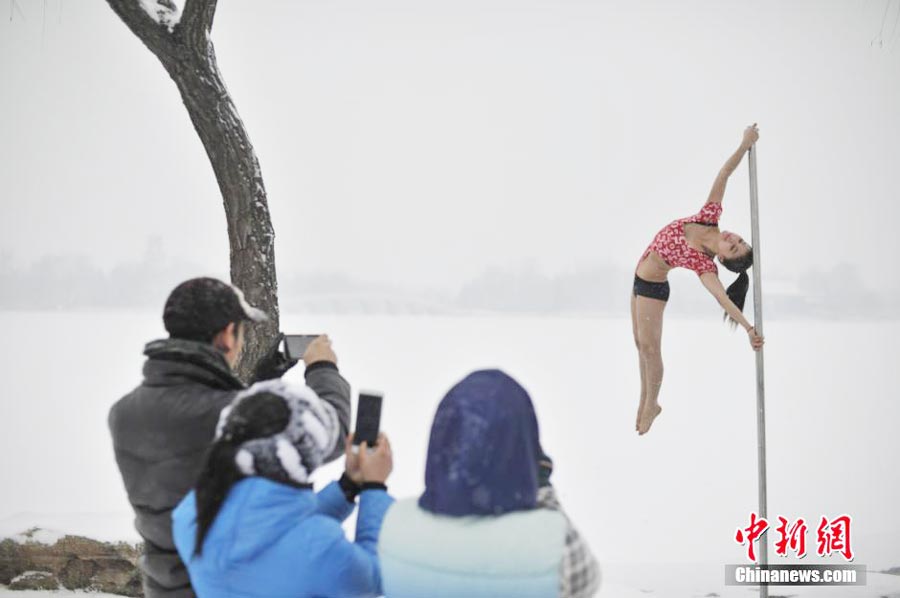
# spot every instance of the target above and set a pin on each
(334, 500)
(323, 377)
(751, 134)
(712, 283)
(352, 568)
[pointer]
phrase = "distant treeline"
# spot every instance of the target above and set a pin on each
(75, 282)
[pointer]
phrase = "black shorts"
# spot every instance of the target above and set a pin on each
(654, 290)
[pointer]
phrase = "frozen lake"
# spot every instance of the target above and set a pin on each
(647, 505)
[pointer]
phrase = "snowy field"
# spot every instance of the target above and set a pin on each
(659, 511)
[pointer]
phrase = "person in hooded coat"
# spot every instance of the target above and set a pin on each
(253, 527)
(488, 523)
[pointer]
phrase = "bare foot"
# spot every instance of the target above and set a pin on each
(637, 419)
(649, 413)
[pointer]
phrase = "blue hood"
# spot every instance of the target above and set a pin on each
(484, 449)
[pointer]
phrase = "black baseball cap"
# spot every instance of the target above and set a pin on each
(199, 308)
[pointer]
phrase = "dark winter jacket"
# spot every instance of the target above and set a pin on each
(161, 431)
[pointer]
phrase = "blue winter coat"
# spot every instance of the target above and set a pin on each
(274, 540)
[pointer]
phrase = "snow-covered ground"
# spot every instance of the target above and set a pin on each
(659, 511)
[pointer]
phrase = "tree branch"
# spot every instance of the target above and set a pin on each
(197, 16)
(182, 43)
(155, 35)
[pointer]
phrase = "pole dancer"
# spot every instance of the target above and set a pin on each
(691, 243)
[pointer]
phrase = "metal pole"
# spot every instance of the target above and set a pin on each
(760, 379)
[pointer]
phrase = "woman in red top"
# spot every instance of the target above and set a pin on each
(688, 243)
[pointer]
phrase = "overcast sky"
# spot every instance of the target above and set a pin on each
(419, 142)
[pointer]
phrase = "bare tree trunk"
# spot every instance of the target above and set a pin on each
(185, 49)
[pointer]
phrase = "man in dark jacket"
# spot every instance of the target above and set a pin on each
(161, 429)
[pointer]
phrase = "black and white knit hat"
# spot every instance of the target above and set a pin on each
(292, 454)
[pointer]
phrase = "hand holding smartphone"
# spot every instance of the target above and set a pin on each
(368, 419)
(295, 345)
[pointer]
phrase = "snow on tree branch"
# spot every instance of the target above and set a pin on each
(171, 29)
(164, 12)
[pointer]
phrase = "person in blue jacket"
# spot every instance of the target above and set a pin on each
(488, 524)
(253, 525)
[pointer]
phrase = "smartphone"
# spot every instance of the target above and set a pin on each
(295, 344)
(368, 418)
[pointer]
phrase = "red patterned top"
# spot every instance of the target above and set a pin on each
(672, 247)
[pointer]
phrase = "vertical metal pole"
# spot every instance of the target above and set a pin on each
(760, 379)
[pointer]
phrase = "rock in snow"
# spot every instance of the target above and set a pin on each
(40, 559)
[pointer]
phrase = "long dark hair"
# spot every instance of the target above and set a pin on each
(256, 416)
(737, 291)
